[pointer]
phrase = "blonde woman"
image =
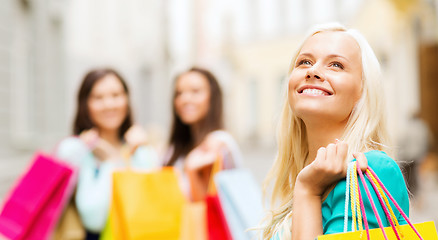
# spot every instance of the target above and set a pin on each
(333, 92)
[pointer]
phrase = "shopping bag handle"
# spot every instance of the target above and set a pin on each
(126, 156)
(352, 185)
(382, 194)
(370, 173)
(217, 166)
(382, 203)
(352, 191)
(373, 206)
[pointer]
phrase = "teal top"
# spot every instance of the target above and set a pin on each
(93, 191)
(389, 173)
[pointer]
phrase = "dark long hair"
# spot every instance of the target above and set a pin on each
(181, 137)
(82, 120)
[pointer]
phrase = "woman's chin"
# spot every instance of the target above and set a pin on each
(190, 120)
(110, 126)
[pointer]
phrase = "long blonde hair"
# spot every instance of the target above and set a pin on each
(365, 130)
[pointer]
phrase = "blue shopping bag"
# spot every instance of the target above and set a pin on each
(241, 200)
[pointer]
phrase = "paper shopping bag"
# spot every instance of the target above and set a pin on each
(409, 231)
(69, 225)
(194, 221)
(217, 226)
(241, 200)
(36, 202)
(146, 205)
(427, 230)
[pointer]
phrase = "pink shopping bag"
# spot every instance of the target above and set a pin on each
(36, 202)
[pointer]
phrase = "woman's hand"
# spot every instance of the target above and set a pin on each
(101, 149)
(329, 166)
(135, 137)
(205, 154)
(90, 137)
(199, 163)
(312, 182)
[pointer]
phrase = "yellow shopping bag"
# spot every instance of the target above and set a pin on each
(145, 206)
(427, 230)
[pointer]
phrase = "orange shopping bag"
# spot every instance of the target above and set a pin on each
(194, 221)
(426, 230)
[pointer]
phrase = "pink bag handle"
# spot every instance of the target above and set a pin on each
(395, 203)
(388, 216)
(382, 203)
(362, 207)
(371, 201)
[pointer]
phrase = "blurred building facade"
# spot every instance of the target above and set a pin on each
(254, 42)
(46, 47)
(32, 66)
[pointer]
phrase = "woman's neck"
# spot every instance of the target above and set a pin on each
(197, 133)
(111, 136)
(322, 135)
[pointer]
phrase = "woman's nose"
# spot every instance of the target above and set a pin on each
(184, 97)
(109, 102)
(314, 73)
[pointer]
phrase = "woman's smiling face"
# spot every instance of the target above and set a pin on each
(192, 97)
(108, 103)
(326, 81)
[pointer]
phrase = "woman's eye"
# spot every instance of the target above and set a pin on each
(97, 97)
(196, 90)
(337, 65)
(304, 62)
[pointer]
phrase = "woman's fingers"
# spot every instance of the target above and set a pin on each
(331, 151)
(198, 159)
(90, 137)
(362, 160)
(321, 156)
(135, 137)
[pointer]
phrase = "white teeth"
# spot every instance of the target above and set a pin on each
(313, 91)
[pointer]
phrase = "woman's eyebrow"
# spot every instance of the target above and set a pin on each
(337, 56)
(306, 54)
(328, 56)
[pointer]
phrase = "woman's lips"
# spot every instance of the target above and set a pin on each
(314, 90)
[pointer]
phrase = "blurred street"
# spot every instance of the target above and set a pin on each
(424, 203)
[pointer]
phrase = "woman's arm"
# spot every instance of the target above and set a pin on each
(199, 180)
(93, 191)
(328, 167)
